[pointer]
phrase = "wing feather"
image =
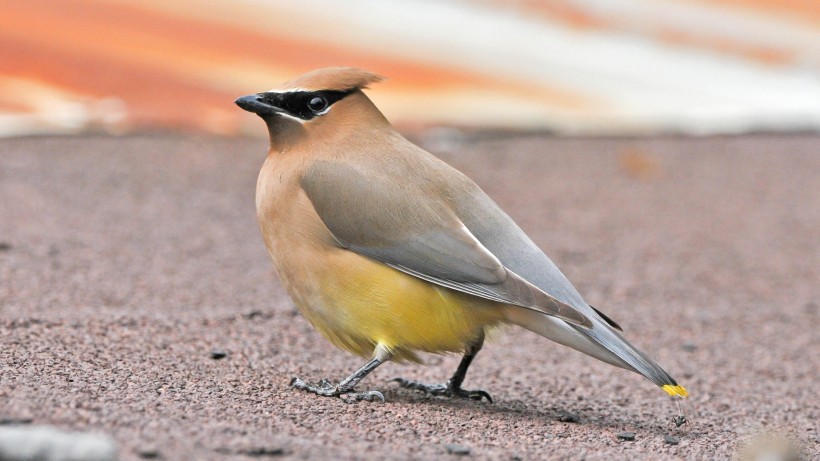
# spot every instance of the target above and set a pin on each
(408, 229)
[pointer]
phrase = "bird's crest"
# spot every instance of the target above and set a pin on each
(332, 78)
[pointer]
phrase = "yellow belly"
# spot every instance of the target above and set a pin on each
(362, 303)
(355, 302)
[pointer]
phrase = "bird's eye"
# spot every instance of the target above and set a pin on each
(317, 104)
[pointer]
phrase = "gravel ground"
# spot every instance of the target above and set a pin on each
(137, 300)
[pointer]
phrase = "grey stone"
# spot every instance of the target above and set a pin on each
(567, 417)
(46, 443)
(458, 450)
(671, 439)
(218, 354)
(628, 436)
(689, 347)
(259, 452)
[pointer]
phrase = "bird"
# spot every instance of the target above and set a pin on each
(390, 252)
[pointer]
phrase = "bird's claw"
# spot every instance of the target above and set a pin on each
(323, 387)
(446, 390)
(327, 389)
(369, 396)
(476, 395)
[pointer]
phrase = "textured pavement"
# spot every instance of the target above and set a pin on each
(127, 263)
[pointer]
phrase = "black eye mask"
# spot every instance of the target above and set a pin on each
(304, 104)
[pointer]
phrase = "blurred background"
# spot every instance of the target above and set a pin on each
(566, 66)
(137, 299)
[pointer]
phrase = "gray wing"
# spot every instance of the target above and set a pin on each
(413, 230)
(502, 236)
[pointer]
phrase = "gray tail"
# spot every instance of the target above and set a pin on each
(633, 359)
(601, 341)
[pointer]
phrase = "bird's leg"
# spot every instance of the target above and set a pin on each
(347, 387)
(452, 388)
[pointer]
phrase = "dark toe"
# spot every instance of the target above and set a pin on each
(473, 395)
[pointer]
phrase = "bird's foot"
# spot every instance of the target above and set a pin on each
(446, 390)
(327, 389)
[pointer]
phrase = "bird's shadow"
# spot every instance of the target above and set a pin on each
(536, 411)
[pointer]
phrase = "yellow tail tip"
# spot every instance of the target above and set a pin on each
(674, 391)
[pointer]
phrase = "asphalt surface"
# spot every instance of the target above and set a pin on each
(128, 263)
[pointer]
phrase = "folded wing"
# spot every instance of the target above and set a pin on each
(410, 231)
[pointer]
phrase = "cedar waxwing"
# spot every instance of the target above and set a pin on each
(389, 251)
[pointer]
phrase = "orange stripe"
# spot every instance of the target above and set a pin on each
(13, 107)
(562, 11)
(123, 29)
(806, 10)
(172, 69)
(150, 96)
(573, 16)
(768, 55)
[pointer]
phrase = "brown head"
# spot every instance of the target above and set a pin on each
(319, 105)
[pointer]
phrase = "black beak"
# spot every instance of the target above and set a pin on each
(256, 104)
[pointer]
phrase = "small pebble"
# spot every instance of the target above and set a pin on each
(5, 246)
(567, 417)
(15, 421)
(628, 436)
(258, 452)
(217, 354)
(458, 450)
(671, 439)
(148, 453)
(689, 347)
